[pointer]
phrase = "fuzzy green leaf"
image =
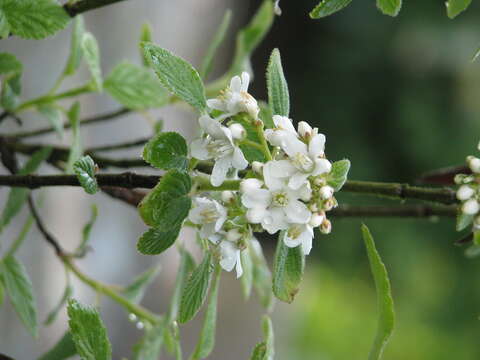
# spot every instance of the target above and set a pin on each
(88, 332)
(54, 116)
(389, 7)
(288, 269)
(9, 64)
(177, 75)
(92, 56)
(278, 96)
(262, 278)
(328, 7)
(63, 349)
(195, 291)
(76, 148)
(31, 19)
(251, 153)
(84, 168)
(166, 151)
(338, 175)
(247, 277)
(20, 292)
(135, 87)
(136, 290)
(168, 204)
(145, 36)
(463, 221)
(155, 241)
(76, 51)
(455, 7)
(386, 319)
(187, 264)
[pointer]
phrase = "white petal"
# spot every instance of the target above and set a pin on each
(229, 256)
(245, 81)
(216, 104)
(208, 230)
(306, 239)
(297, 212)
(239, 267)
(257, 198)
(219, 172)
(316, 147)
(270, 173)
(238, 161)
(298, 180)
(274, 220)
(292, 146)
(283, 122)
(198, 149)
(255, 215)
(291, 242)
(195, 215)
(250, 184)
(322, 166)
(236, 84)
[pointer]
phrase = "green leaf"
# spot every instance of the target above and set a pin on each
(389, 7)
(177, 75)
(187, 264)
(247, 277)
(259, 351)
(166, 151)
(82, 247)
(206, 342)
(11, 89)
(328, 7)
(218, 38)
(386, 317)
(76, 148)
(463, 221)
(472, 251)
(54, 116)
(67, 293)
(278, 96)
(92, 56)
(31, 19)
(20, 292)
(339, 173)
(145, 36)
(251, 153)
(150, 345)
(476, 237)
(195, 291)
(156, 241)
(168, 204)
(88, 332)
(2, 290)
(63, 349)
(266, 115)
(288, 269)
(84, 168)
(135, 87)
(455, 7)
(9, 64)
(18, 196)
(262, 278)
(76, 51)
(265, 349)
(136, 290)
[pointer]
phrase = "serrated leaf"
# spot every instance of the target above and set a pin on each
(76, 148)
(389, 7)
(82, 247)
(247, 277)
(328, 7)
(455, 7)
(278, 96)
(76, 51)
(54, 116)
(9, 64)
(145, 36)
(386, 319)
(136, 290)
(207, 63)
(339, 173)
(84, 168)
(150, 345)
(92, 56)
(88, 332)
(17, 196)
(135, 87)
(63, 349)
(177, 75)
(206, 342)
(288, 269)
(20, 292)
(52, 315)
(168, 204)
(155, 241)
(187, 264)
(195, 291)
(463, 221)
(166, 151)
(32, 19)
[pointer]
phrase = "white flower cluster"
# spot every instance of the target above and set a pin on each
(469, 191)
(289, 192)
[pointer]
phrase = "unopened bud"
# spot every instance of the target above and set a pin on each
(319, 181)
(238, 131)
(326, 227)
(316, 219)
(330, 204)
(140, 325)
(227, 196)
(313, 207)
(326, 192)
(233, 235)
(474, 164)
(470, 207)
(304, 130)
(132, 317)
(465, 192)
(257, 167)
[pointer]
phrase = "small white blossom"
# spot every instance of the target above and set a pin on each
(257, 167)
(230, 254)
(236, 99)
(304, 129)
(218, 145)
(326, 227)
(140, 325)
(227, 196)
(326, 192)
(300, 234)
(465, 192)
(316, 219)
(238, 131)
(470, 207)
(474, 164)
(209, 214)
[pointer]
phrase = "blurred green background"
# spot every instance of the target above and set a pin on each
(397, 96)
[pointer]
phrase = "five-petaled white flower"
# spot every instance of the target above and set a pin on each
(218, 145)
(208, 213)
(236, 99)
(300, 235)
(230, 254)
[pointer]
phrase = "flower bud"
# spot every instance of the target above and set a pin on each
(474, 164)
(233, 235)
(227, 196)
(465, 192)
(140, 325)
(470, 207)
(304, 130)
(319, 181)
(316, 219)
(257, 167)
(238, 131)
(132, 317)
(326, 227)
(329, 204)
(326, 192)
(250, 184)
(313, 207)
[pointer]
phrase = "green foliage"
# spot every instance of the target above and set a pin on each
(145, 36)
(135, 87)
(386, 319)
(455, 7)
(76, 51)
(167, 150)
(288, 267)
(278, 96)
(155, 241)
(150, 345)
(9, 64)
(177, 75)
(76, 148)
(265, 350)
(63, 349)
(11, 89)
(167, 205)
(136, 290)
(54, 116)
(463, 221)
(31, 19)
(52, 315)
(92, 57)
(207, 63)
(187, 264)
(88, 332)
(389, 7)
(328, 7)
(262, 278)
(251, 153)
(195, 291)
(20, 292)
(84, 168)
(338, 175)
(82, 247)
(247, 277)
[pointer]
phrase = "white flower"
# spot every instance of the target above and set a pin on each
(230, 254)
(227, 196)
(209, 214)
(218, 145)
(326, 192)
(236, 99)
(238, 131)
(300, 234)
(276, 206)
(470, 207)
(304, 129)
(474, 164)
(465, 192)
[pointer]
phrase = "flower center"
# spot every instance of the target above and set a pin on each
(209, 215)
(294, 232)
(303, 163)
(280, 199)
(219, 148)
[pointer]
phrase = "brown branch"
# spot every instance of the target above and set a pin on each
(443, 176)
(129, 196)
(82, 6)
(124, 145)
(408, 211)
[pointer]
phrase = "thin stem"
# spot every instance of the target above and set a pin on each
(21, 237)
(252, 144)
(124, 145)
(86, 5)
(406, 211)
(264, 146)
